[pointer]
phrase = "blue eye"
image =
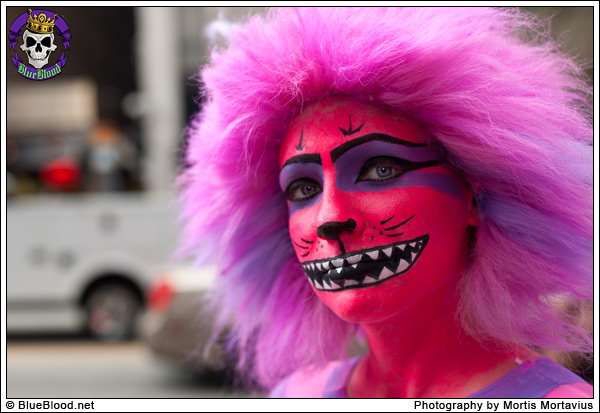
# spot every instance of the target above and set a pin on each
(381, 168)
(302, 190)
(385, 171)
(384, 168)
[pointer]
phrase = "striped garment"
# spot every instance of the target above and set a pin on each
(536, 378)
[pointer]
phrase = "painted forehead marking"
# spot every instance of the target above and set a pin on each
(300, 147)
(304, 158)
(351, 131)
(343, 148)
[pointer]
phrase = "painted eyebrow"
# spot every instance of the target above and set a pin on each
(343, 148)
(304, 158)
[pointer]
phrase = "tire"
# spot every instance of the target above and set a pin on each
(112, 311)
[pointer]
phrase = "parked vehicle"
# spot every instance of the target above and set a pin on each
(85, 261)
(178, 324)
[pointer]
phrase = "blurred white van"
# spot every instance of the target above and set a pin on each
(85, 261)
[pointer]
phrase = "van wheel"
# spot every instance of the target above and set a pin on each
(112, 311)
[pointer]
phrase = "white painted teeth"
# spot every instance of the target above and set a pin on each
(355, 259)
(402, 266)
(337, 262)
(373, 254)
(325, 270)
(385, 273)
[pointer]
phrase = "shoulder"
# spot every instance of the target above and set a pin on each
(538, 378)
(563, 382)
(328, 380)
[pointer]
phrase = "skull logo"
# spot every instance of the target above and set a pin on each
(38, 47)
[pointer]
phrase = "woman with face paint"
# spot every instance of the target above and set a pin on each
(417, 176)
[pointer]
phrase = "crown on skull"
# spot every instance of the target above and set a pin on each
(39, 23)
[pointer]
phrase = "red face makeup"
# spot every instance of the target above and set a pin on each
(375, 215)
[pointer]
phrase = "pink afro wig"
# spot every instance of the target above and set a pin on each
(512, 112)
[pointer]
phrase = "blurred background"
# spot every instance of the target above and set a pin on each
(96, 305)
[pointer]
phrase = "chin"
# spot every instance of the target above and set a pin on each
(367, 305)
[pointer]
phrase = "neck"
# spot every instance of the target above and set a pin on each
(423, 352)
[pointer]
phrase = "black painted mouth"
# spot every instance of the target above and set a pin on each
(364, 268)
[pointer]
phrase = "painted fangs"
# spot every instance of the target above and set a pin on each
(364, 268)
(385, 273)
(337, 263)
(369, 280)
(355, 259)
(373, 254)
(403, 266)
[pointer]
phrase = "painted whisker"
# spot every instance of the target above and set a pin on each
(299, 246)
(400, 224)
(387, 220)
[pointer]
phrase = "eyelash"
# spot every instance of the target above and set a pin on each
(298, 184)
(403, 166)
(382, 162)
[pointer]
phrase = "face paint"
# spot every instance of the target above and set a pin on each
(356, 157)
(297, 174)
(299, 147)
(380, 220)
(351, 131)
(365, 267)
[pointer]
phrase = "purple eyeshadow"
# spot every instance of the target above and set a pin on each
(349, 164)
(293, 171)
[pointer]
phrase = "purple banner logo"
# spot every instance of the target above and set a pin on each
(38, 28)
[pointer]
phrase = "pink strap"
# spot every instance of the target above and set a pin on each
(571, 390)
(310, 382)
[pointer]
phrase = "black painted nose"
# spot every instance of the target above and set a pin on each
(332, 230)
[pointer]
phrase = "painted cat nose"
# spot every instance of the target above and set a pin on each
(332, 230)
